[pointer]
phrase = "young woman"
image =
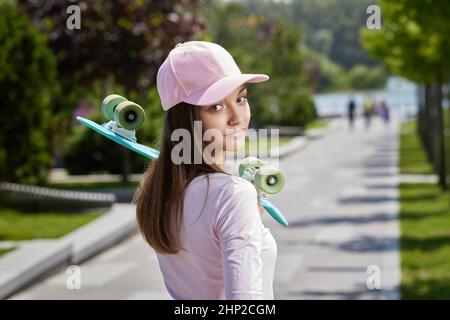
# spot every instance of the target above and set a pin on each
(203, 223)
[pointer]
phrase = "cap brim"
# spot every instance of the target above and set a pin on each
(222, 88)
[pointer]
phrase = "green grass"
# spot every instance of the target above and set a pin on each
(5, 251)
(17, 225)
(425, 242)
(257, 145)
(425, 226)
(93, 185)
(316, 124)
(413, 159)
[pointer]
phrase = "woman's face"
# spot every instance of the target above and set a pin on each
(230, 117)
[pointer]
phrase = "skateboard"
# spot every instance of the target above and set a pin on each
(126, 116)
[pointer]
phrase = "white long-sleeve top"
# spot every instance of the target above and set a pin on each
(230, 254)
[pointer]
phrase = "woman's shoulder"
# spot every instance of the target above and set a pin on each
(239, 186)
(225, 185)
(235, 190)
(237, 206)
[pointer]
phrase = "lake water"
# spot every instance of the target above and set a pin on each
(398, 93)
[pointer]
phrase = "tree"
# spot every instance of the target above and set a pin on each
(328, 26)
(414, 44)
(128, 39)
(363, 77)
(27, 85)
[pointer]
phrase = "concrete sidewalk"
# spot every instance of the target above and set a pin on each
(342, 204)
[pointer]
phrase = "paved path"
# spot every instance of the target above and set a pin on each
(341, 202)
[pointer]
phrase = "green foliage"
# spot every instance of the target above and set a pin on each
(329, 27)
(329, 38)
(363, 77)
(27, 85)
(288, 107)
(331, 75)
(414, 40)
(323, 74)
(126, 38)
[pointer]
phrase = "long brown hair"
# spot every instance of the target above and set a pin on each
(159, 197)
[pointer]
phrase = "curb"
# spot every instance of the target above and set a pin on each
(35, 258)
(301, 142)
(296, 144)
(35, 198)
(418, 178)
(102, 233)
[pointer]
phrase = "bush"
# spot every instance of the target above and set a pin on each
(27, 85)
(323, 74)
(363, 77)
(289, 107)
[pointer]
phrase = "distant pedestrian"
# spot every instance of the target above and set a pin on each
(384, 111)
(351, 112)
(368, 107)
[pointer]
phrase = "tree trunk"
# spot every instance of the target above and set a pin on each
(126, 165)
(440, 147)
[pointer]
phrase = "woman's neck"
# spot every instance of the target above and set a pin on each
(219, 159)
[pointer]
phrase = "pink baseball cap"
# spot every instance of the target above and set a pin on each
(200, 73)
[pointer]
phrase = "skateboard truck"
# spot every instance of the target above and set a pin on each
(264, 177)
(127, 134)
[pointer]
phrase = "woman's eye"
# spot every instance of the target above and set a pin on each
(245, 98)
(217, 107)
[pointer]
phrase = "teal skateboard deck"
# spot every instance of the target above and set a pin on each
(134, 146)
(153, 154)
